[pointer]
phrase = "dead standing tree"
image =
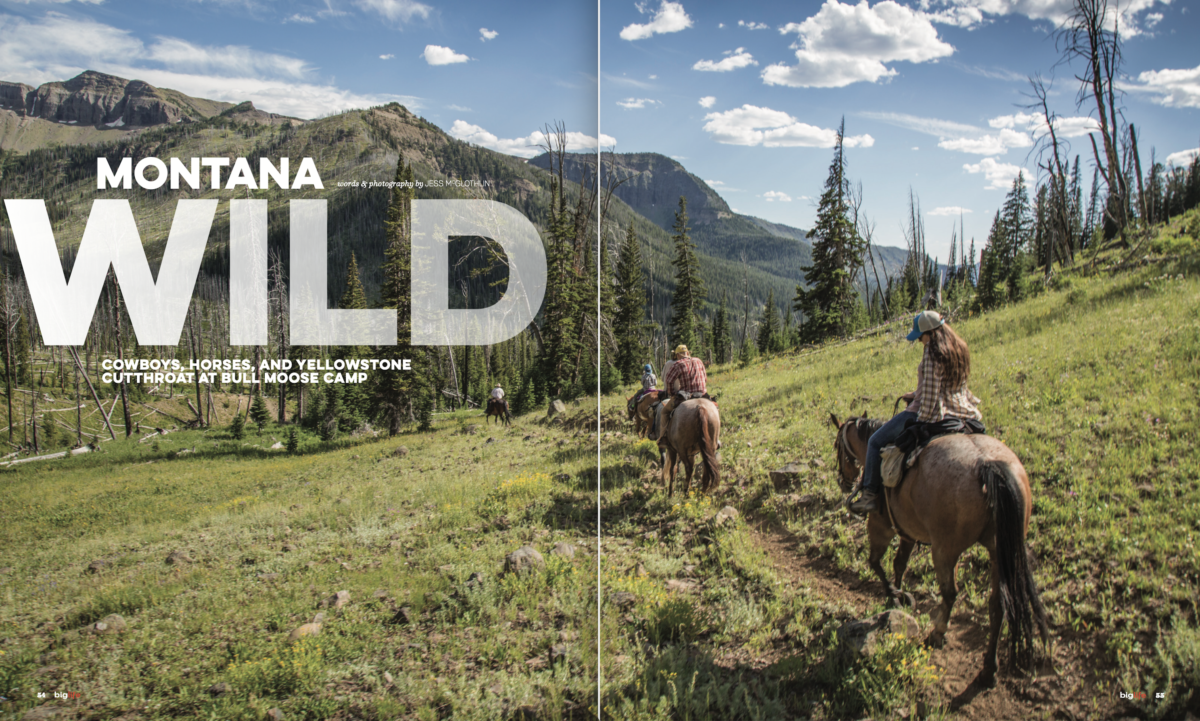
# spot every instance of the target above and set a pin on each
(1091, 36)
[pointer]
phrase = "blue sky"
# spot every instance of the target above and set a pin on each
(495, 73)
(744, 94)
(748, 94)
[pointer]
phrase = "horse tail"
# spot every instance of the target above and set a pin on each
(1019, 599)
(708, 450)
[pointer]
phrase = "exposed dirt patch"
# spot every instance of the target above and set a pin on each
(1065, 689)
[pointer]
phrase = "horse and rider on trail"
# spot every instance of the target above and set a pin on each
(931, 476)
(685, 422)
(497, 406)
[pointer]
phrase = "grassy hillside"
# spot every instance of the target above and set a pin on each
(415, 529)
(1093, 383)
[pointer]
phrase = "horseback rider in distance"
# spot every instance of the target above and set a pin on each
(685, 379)
(941, 391)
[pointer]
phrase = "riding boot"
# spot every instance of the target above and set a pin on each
(652, 434)
(868, 502)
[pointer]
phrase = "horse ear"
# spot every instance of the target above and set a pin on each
(864, 415)
(833, 419)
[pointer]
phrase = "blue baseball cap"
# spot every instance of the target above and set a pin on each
(647, 368)
(925, 321)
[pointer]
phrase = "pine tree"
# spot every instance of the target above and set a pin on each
(355, 405)
(989, 291)
(721, 339)
(1016, 226)
(689, 289)
(293, 440)
(259, 413)
(560, 331)
(237, 427)
(629, 320)
(768, 329)
(396, 392)
(828, 303)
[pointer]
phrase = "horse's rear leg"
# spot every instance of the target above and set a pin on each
(689, 465)
(987, 676)
(668, 469)
(945, 565)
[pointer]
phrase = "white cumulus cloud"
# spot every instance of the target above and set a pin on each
(773, 195)
(1174, 88)
(485, 34)
(1132, 18)
(389, 56)
(438, 55)
(707, 101)
(950, 210)
(670, 18)
(637, 103)
(753, 25)
(845, 44)
(1183, 158)
(528, 146)
(734, 60)
(298, 18)
(397, 11)
(752, 125)
(1000, 176)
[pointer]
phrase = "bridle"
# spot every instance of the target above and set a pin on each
(845, 454)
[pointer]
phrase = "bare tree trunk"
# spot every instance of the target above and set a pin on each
(121, 356)
(199, 409)
(33, 419)
(95, 396)
(78, 411)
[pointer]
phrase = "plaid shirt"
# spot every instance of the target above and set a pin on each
(687, 375)
(934, 401)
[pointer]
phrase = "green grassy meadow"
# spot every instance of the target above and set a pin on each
(418, 537)
(1094, 383)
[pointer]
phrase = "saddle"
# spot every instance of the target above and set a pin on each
(903, 454)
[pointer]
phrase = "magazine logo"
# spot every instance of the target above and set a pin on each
(157, 309)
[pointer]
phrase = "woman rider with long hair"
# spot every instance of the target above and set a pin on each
(941, 391)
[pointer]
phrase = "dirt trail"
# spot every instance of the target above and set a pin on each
(1065, 691)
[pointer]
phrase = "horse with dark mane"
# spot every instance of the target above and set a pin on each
(694, 427)
(963, 490)
(641, 412)
(498, 408)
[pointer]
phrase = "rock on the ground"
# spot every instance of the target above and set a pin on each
(111, 623)
(564, 549)
(400, 452)
(862, 636)
(726, 514)
(403, 617)
(308, 629)
(682, 585)
(42, 713)
(523, 559)
(178, 558)
(218, 689)
(557, 408)
(275, 714)
(96, 567)
(277, 446)
(623, 599)
(471, 429)
(337, 600)
(784, 477)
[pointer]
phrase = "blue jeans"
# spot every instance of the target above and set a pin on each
(880, 438)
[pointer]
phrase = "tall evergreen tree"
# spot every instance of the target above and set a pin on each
(689, 288)
(722, 338)
(397, 393)
(629, 320)
(828, 303)
(560, 330)
(355, 404)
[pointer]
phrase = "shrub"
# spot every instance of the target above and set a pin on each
(237, 428)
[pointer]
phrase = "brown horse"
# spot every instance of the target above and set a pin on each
(695, 427)
(963, 490)
(642, 414)
(498, 408)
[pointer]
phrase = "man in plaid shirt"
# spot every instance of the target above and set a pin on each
(689, 380)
